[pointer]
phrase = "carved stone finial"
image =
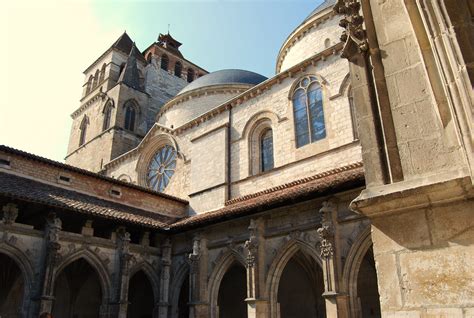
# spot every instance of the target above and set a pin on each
(354, 36)
(10, 213)
(123, 240)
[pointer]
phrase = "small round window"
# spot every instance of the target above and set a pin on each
(161, 168)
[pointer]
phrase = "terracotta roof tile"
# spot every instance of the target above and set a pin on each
(20, 188)
(331, 181)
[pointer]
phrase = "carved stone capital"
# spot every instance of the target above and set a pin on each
(326, 230)
(252, 244)
(10, 213)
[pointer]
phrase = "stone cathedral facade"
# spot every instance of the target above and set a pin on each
(341, 186)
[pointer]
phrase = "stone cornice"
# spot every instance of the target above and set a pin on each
(99, 94)
(300, 32)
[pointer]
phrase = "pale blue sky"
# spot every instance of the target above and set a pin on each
(47, 44)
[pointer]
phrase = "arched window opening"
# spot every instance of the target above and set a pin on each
(367, 288)
(232, 293)
(327, 43)
(266, 150)
(301, 287)
(148, 57)
(183, 301)
(78, 292)
(90, 82)
(350, 96)
(11, 287)
(164, 62)
(140, 296)
(177, 69)
(107, 116)
(130, 115)
(83, 130)
(102, 73)
(190, 76)
(96, 78)
(308, 112)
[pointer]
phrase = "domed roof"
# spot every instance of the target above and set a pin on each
(321, 7)
(225, 77)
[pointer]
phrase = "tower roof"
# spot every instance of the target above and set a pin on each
(169, 43)
(130, 75)
(124, 43)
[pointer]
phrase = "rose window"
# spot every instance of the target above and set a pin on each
(161, 168)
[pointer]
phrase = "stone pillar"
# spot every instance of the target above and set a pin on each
(120, 303)
(197, 269)
(257, 307)
(52, 247)
(163, 304)
(336, 302)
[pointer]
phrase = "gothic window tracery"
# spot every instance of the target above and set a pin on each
(177, 69)
(308, 111)
(266, 150)
(164, 62)
(161, 168)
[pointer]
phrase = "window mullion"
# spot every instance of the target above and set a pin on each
(308, 117)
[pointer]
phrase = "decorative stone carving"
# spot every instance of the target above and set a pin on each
(326, 231)
(10, 213)
(354, 35)
(252, 244)
(194, 257)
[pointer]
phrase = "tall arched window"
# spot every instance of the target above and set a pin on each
(90, 82)
(102, 72)
(177, 69)
(83, 130)
(266, 150)
(148, 58)
(130, 114)
(308, 111)
(190, 76)
(107, 115)
(164, 62)
(96, 78)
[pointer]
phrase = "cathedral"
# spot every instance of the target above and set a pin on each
(340, 187)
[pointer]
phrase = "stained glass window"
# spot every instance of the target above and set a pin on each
(161, 168)
(308, 112)
(266, 150)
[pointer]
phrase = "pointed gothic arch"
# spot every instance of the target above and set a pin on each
(176, 286)
(151, 275)
(224, 263)
(352, 267)
(25, 266)
(274, 274)
(96, 263)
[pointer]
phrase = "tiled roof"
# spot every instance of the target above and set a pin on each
(332, 181)
(20, 188)
(64, 166)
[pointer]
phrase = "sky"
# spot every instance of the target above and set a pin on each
(47, 44)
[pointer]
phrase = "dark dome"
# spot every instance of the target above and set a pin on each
(225, 77)
(321, 7)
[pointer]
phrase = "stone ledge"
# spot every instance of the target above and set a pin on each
(414, 194)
